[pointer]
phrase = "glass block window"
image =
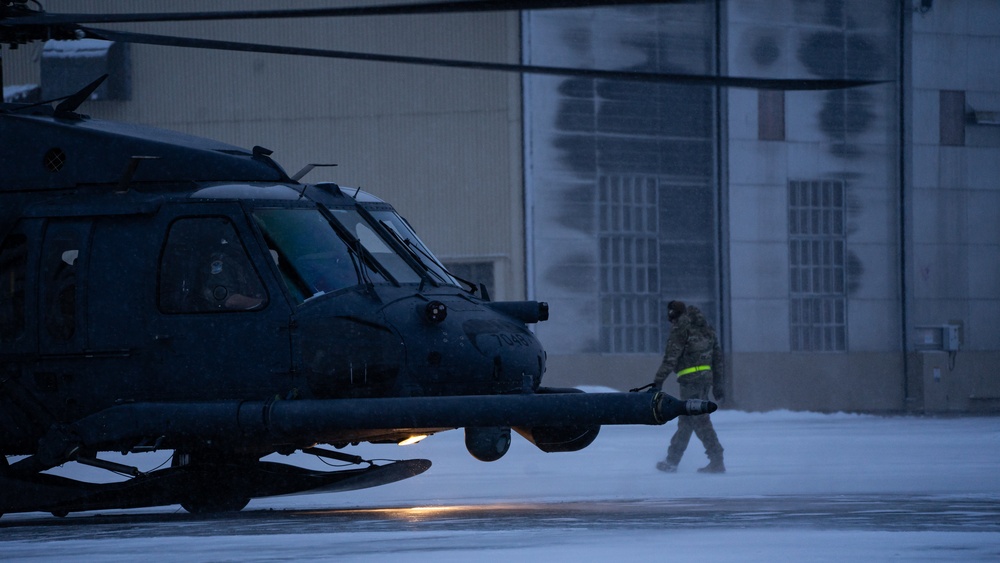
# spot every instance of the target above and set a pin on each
(628, 219)
(817, 265)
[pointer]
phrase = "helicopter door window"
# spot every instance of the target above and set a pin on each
(205, 268)
(13, 266)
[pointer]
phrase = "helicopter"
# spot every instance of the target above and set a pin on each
(165, 292)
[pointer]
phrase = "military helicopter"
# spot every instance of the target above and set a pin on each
(163, 292)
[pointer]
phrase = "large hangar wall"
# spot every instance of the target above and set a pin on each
(845, 224)
(824, 232)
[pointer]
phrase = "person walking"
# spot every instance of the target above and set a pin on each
(692, 352)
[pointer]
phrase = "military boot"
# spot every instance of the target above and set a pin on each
(714, 466)
(667, 466)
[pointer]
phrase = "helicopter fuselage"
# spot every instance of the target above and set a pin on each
(159, 291)
(228, 292)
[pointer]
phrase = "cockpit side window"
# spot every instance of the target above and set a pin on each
(205, 268)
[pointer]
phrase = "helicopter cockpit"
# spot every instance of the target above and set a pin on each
(343, 240)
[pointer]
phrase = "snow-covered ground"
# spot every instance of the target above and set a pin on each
(799, 487)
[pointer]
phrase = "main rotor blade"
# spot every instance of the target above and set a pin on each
(634, 76)
(451, 7)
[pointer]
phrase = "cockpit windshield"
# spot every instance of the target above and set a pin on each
(384, 254)
(312, 257)
(322, 251)
(315, 259)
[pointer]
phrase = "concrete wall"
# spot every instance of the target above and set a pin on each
(936, 382)
(849, 137)
(866, 382)
(954, 264)
(953, 210)
(965, 382)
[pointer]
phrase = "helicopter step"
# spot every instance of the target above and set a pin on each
(199, 488)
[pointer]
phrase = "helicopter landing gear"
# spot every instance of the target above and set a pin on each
(215, 496)
(215, 505)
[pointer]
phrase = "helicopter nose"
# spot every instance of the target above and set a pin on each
(401, 343)
(348, 351)
(456, 346)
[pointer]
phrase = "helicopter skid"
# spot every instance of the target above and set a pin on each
(230, 485)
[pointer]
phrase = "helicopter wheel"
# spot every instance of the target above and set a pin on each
(60, 513)
(209, 500)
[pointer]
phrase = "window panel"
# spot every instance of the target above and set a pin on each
(629, 264)
(817, 270)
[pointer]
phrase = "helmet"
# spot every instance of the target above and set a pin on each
(675, 309)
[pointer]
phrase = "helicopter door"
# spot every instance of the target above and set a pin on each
(18, 345)
(222, 330)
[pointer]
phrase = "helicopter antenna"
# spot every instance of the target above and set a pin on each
(133, 165)
(70, 104)
(307, 169)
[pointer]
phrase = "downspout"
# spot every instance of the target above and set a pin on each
(526, 164)
(904, 57)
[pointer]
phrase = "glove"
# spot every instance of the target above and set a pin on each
(655, 387)
(719, 394)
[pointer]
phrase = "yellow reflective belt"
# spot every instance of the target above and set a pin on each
(692, 370)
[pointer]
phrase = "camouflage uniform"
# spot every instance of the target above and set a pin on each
(692, 344)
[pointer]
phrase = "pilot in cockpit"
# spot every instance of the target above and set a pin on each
(226, 282)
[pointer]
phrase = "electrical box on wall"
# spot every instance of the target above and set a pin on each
(68, 66)
(937, 337)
